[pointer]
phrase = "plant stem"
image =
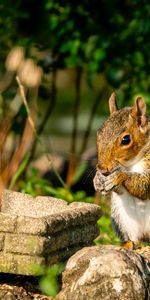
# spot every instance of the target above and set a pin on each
(48, 111)
(73, 159)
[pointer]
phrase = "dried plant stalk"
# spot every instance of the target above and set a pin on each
(25, 142)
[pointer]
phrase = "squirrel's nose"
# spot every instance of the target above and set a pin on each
(103, 170)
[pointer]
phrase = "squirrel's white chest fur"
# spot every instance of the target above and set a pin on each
(131, 213)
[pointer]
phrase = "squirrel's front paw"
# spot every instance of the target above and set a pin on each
(110, 182)
(114, 181)
(99, 182)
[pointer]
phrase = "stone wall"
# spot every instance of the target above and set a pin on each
(42, 230)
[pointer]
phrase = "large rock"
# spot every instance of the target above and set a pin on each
(42, 230)
(105, 273)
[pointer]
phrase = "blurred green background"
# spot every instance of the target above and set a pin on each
(69, 58)
(93, 47)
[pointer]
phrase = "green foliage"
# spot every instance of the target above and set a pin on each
(49, 280)
(19, 171)
(34, 185)
(107, 234)
(110, 37)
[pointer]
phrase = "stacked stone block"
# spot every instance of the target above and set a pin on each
(42, 230)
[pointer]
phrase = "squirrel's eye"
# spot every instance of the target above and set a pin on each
(126, 140)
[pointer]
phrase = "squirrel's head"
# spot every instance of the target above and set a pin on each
(122, 136)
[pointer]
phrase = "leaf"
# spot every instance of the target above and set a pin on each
(19, 171)
(49, 282)
(65, 47)
(75, 47)
(99, 54)
(49, 286)
(79, 172)
(90, 46)
(54, 21)
(138, 58)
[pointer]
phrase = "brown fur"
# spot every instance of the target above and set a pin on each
(113, 156)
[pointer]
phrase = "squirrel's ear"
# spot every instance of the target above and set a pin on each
(140, 109)
(113, 103)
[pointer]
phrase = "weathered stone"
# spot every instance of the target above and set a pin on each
(20, 204)
(24, 244)
(7, 222)
(106, 273)
(73, 216)
(7, 295)
(26, 264)
(29, 225)
(2, 237)
(72, 236)
(19, 264)
(63, 254)
(58, 214)
(19, 288)
(43, 227)
(7, 264)
(145, 252)
(37, 245)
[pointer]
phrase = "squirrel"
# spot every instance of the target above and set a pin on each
(123, 169)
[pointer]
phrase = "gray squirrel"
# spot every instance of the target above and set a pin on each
(123, 169)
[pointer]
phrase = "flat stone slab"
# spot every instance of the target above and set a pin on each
(25, 205)
(42, 230)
